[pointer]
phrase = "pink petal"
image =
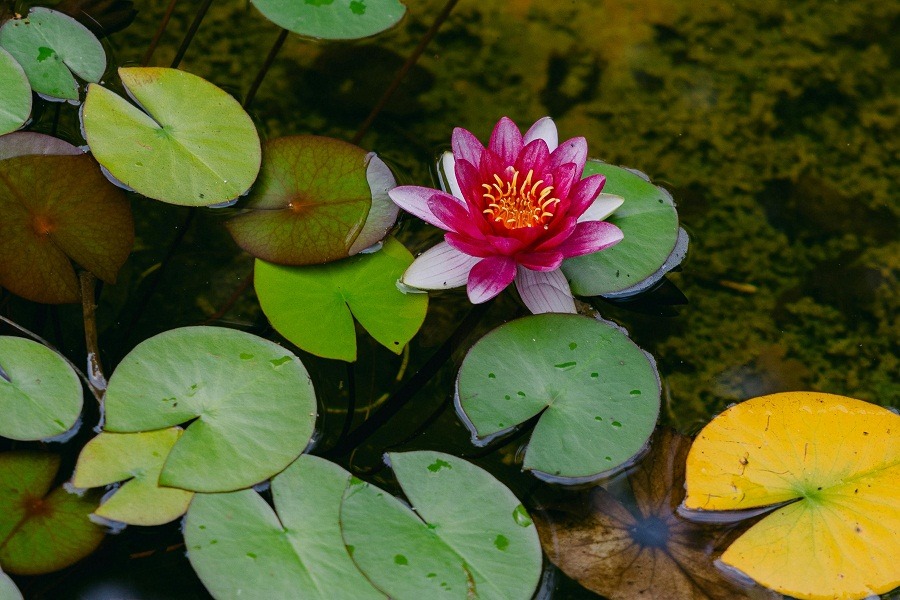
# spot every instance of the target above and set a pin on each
(591, 236)
(544, 292)
(602, 207)
(505, 244)
(563, 228)
(506, 140)
(490, 277)
(454, 215)
(491, 165)
(447, 172)
(469, 184)
(563, 178)
(470, 246)
(532, 157)
(541, 261)
(439, 268)
(571, 151)
(584, 193)
(466, 146)
(544, 129)
(414, 200)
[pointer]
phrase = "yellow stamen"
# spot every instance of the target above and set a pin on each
(529, 204)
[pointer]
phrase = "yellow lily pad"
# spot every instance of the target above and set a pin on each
(829, 467)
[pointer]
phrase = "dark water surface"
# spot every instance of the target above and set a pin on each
(775, 125)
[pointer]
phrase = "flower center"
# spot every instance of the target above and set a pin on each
(516, 205)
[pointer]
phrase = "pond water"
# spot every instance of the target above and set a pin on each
(775, 126)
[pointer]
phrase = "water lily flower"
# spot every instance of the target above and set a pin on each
(515, 211)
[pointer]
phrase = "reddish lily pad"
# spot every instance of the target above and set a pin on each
(41, 530)
(54, 210)
(317, 200)
(25, 143)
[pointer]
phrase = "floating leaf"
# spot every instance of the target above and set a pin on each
(15, 94)
(193, 146)
(41, 530)
(137, 458)
(24, 143)
(239, 546)
(312, 306)
(653, 242)
(330, 19)
(625, 549)
(53, 209)
(317, 200)
(50, 47)
(467, 536)
(835, 463)
(41, 396)
(250, 402)
(598, 392)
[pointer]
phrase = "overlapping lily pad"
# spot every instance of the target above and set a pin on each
(312, 306)
(15, 94)
(41, 530)
(653, 242)
(250, 404)
(194, 145)
(54, 210)
(24, 143)
(333, 19)
(137, 459)
(467, 536)
(40, 394)
(52, 48)
(317, 199)
(597, 393)
(240, 546)
(829, 468)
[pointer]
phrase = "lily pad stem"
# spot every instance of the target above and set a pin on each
(97, 381)
(189, 36)
(264, 69)
(148, 56)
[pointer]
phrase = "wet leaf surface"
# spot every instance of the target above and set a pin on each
(466, 536)
(835, 461)
(597, 393)
(137, 460)
(52, 48)
(240, 546)
(250, 404)
(330, 19)
(53, 209)
(317, 200)
(24, 143)
(40, 395)
(41, 530)
(15, 94)
(314, 306)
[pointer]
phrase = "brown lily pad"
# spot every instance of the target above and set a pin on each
(638, 547)
(55, 210)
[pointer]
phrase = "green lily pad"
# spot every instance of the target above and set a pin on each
(8, 589)
(467, 535)
(317, 200)
(653, 242)
(194, 145)
(41, 530)
(15, 94)
(333, 19)
(240, 546)
(51, 47)
(598, 392)
(137, 458)
(250, 402)
(25, 143)
(40, 396)
(314, 306)
(54, 210)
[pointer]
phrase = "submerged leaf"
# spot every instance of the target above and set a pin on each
(330, 19)
(835, 461)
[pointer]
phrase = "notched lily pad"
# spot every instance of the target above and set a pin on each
(192, 144)
(653, 243)
(311, 306)
(54, 210)
(239, 545)
(40, 394)
(51, 48)
(597, 393)
(333, 19)
(15, 94)
(137, 459)
(467, 536)
(317, 199)
(41, 530)
(250, 404)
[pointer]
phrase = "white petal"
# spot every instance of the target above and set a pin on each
(439, 268)
(545, 129)
(603, 206)
(447, 175)
(544, 291)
